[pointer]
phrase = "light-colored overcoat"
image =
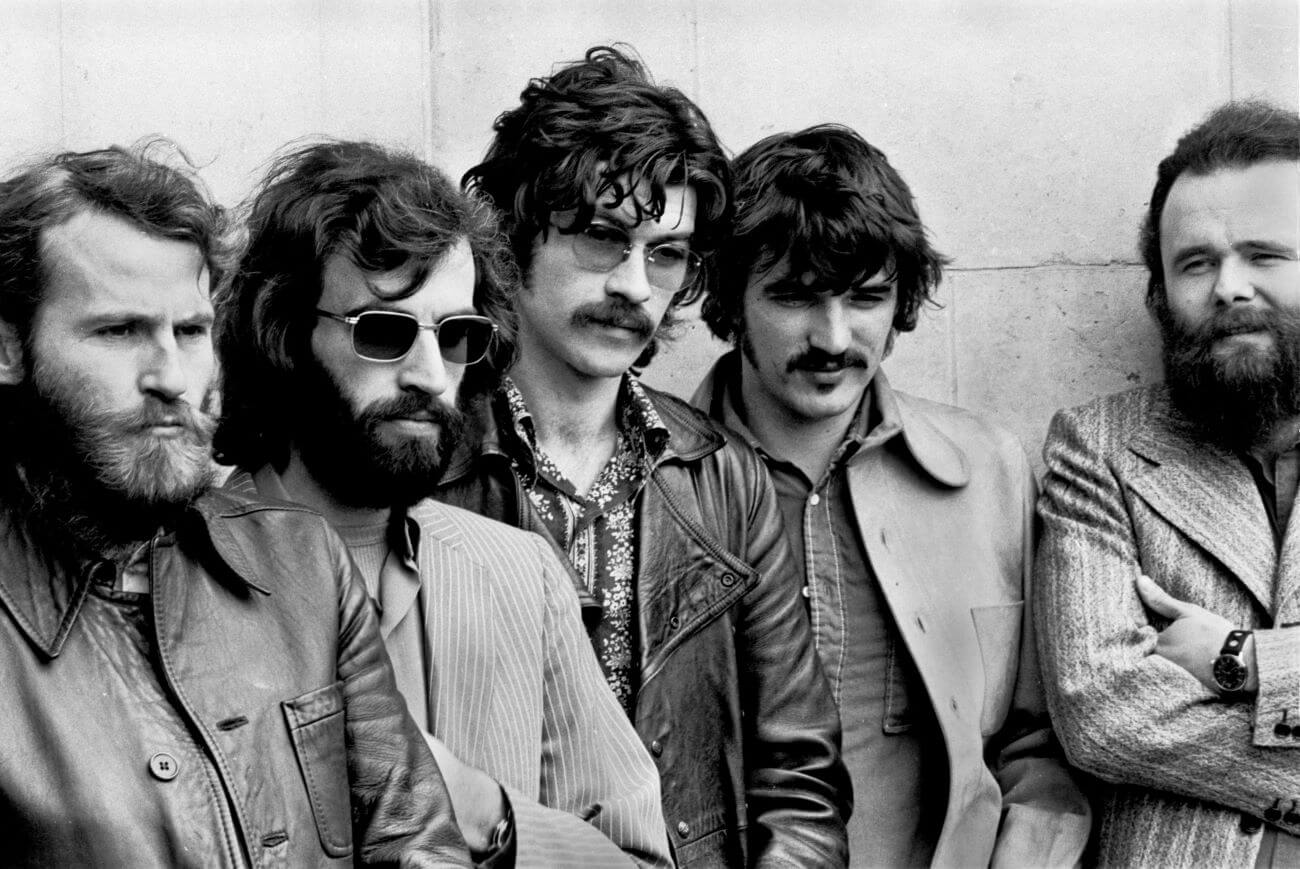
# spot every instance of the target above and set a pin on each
(1132, 488)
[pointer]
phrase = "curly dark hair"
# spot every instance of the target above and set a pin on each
(382, 209)
(151, 184)
(1235, 135)
(830, 201)
(601, 128)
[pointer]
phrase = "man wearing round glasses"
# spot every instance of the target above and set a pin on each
(614, 192)
(368, 295)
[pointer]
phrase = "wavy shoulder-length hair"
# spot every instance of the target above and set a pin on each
(380, 208)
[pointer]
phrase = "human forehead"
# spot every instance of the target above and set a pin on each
(103, 264)
(1260, 202)
(447, 287)
(619, 205)
(780, 277)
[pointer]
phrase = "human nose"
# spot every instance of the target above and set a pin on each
(164, 374)
(629, 279)
(829, 330)
(1232, 283)
(423, 368)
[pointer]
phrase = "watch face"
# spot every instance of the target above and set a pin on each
(1230, 672)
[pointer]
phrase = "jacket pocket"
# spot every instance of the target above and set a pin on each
(316, 727)
(997, 628)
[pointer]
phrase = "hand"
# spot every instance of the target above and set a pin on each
(476, 797)
(1195, 636)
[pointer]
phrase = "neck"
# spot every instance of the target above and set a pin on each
(808, 443)
(569, 413)
(303, 488)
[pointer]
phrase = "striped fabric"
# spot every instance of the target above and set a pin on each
(515, 691)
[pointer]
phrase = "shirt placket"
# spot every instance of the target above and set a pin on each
(825, 585)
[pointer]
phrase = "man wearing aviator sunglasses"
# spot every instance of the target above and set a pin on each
(370, 294)
(614, 192)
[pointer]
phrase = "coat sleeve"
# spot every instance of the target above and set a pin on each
(1122, 712)
(401, 811)
(1046, 819)
(798, 790)
(600, 802)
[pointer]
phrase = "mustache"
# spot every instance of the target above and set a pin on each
(816, 360)
(154, 412)
(1234, 322)
(611, 312)
(411, 405)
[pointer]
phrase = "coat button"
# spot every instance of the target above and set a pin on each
(1250, 824)
(656, 747)
(163, 766)
(1282, 731)
(728, 580)
(683, 829)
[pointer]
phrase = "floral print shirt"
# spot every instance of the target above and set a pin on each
(597, 529)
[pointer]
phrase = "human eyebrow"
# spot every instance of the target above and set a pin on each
(1267, 246)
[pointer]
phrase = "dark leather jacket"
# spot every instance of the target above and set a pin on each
(243, 713)
(733, 704)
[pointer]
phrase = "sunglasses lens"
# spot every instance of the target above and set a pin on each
(464, 340)
(383, 336)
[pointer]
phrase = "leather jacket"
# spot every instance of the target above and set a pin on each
(732, 704)
(241, 714)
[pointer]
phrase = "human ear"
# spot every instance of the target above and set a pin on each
(13, 367)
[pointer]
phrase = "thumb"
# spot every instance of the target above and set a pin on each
(1158, 599)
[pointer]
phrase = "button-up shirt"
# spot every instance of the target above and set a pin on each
(892, 746)
(597, 529)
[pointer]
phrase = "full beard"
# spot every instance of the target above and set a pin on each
(350, 455)
(1237, 395)
(98, 481)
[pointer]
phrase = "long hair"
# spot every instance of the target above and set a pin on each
(597, 129)
(381, 209)
(1235, 135)
(831, 202)
(150, 184)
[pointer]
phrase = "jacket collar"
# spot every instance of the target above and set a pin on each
(688, 438)
(1208, 493)
(936, 453)
(44, 594)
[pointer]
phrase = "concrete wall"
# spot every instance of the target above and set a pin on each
(1029, 130)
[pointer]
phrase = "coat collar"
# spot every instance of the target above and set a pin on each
(936, 453)
(689, 438)
(44, 594)
(1208, 493)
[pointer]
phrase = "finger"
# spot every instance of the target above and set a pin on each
(1156, 598)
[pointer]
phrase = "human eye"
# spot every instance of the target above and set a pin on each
(193, 330)
(788, 298)
(124, 329)
(605, 234)
(671, 254)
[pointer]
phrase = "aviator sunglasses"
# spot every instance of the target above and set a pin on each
(670, 266)
(387, 336)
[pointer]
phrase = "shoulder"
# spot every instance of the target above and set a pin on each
(970, 430)
(494, 545)
(697, 437)
(1109, 423)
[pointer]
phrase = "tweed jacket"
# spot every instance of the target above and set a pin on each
(945, 514)
(515, 691)
(1132, 489)
(732, 702)
(242, 714)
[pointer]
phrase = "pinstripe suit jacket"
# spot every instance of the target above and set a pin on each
(1131, 488)
(514, 690)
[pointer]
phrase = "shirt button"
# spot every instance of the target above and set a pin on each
(163, 766)
(683, 829)
(814, 499)
(656, 747)
(807, 592)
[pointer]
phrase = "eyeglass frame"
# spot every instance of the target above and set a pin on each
(352, 321)
(693, 257)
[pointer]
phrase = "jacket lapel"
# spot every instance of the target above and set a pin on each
(1286, 598)
(1209, 495)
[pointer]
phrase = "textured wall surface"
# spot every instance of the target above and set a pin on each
(1029, 130)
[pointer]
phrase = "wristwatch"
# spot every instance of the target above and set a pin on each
(1229, 669)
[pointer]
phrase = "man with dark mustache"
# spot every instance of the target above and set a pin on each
(189, 677)
(1169, 597)
(371, 294)
(614, 192)
(913, 521)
